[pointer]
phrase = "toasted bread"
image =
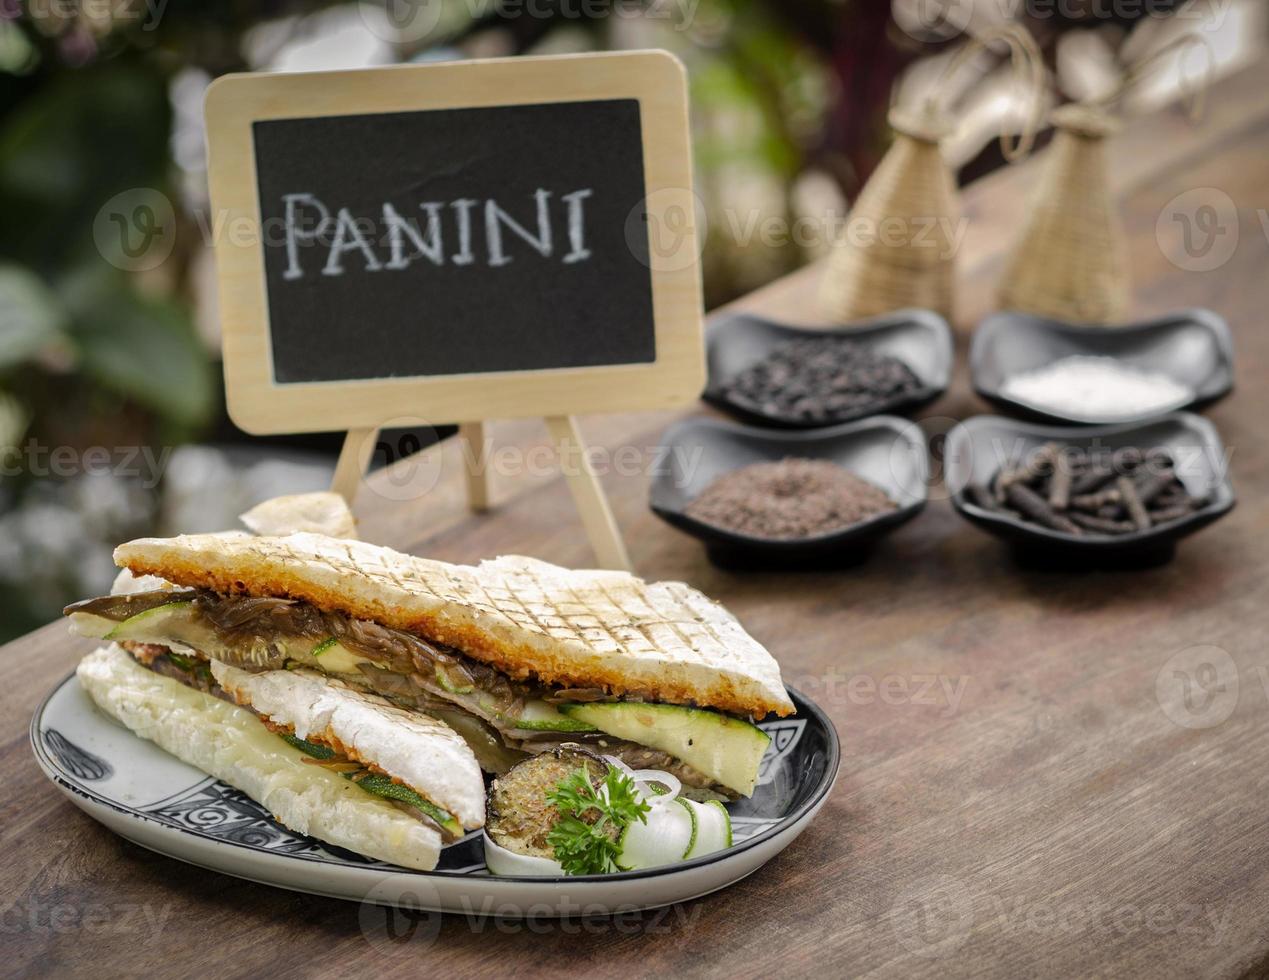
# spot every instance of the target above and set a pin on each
(233, 745)
(664, 641)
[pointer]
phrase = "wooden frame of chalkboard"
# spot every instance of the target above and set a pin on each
(427, 242)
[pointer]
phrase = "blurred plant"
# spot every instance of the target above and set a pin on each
(760, 97)
(90, 354)
(87, 343)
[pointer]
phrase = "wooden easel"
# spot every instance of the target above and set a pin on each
(583, 482)
(656, 359)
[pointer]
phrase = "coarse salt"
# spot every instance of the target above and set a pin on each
(1097, 388)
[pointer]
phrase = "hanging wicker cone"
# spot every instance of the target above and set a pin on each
(1071, 262)
(898, 249)
(881, 265)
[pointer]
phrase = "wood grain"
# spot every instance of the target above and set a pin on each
(588, 494)
(1016, 795)
(473, 433)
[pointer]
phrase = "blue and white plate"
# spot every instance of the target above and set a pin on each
(155, 800)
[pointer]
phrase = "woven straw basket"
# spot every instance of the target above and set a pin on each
(899, 245)
(897, 250)
(1071, 262)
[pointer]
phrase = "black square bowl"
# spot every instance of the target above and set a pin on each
(1193, 347)
(919, 338)
(978, 447)
(887, 451)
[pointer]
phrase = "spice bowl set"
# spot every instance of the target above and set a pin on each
(819, 473)
(1102, 467)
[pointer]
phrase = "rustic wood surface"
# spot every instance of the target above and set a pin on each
(1025, 789)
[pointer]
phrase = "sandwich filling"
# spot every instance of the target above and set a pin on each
(386, 751)
(404, 756)
(232, 744)
(503, 719)
(374, 781)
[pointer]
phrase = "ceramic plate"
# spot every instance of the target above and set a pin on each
(980, 446)
(919, 338)
(1193, 347)
(142, 793)
(887, 451)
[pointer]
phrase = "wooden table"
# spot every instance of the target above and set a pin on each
(1022, 790)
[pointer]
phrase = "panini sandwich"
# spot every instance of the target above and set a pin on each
(517, 656)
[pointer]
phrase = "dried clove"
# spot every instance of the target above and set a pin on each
(1153, 484)
(1102, 524)
(1132, 503)
(1078, 492)
(1093, 478)
(1060, 485)
(1037, 465)
(1093, 501)
(1034, 506)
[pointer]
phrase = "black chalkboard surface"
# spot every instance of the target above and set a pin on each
(453, 241)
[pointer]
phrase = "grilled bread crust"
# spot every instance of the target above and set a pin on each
(664, 641)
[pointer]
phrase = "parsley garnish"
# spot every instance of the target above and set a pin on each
(591, 848)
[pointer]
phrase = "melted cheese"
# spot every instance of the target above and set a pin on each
(423, 753)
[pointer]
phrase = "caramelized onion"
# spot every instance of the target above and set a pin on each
(258, 620)
(389, 682)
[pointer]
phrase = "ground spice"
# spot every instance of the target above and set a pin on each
(791, 499)
(1096, 388)
(820, 380)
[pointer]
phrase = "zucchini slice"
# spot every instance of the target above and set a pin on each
(381, 785)
(726, 749)
(539, 716)
(145, 626)
(378, 784)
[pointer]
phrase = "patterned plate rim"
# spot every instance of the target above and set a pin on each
(803, 703)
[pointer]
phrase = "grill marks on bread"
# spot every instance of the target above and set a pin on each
(525, 617)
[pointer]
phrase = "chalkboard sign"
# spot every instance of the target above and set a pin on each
(455, 241)
(482, 240)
